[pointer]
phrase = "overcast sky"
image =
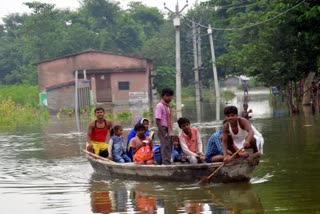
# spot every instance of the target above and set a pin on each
(17, 6)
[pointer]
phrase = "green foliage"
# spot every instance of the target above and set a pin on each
(274, 41)
(19, 104)
(12, 113)
(188, 92)
(26, 95)
(227, 95)
(147, 114)
(276, 50)
(124, 116)
(165, 77)
(109, 116)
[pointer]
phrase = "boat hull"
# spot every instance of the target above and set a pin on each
(235, 171)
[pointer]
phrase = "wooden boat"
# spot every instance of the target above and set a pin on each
(237, 170)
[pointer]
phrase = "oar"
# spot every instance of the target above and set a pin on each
(206, 179)
(96, 156)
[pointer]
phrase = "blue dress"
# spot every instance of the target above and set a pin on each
(118, 152)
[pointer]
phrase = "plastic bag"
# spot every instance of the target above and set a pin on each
(143, 154)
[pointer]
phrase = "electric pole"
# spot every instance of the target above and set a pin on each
(200, 62)
(213, 57)
(176, 24)
(196, 70)
(214, 67)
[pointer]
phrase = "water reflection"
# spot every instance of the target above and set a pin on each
(150, 197)
(43, 170)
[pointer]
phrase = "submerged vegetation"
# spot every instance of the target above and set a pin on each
(19, 105)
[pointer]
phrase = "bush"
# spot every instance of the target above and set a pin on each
(19, 105)
(20, 94)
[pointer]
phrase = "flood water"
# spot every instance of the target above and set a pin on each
(44, 171)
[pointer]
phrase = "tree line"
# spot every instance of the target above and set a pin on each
(276, 41)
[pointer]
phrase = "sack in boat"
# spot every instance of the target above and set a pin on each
(143, 154)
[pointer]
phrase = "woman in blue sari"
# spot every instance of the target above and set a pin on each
(133, 133)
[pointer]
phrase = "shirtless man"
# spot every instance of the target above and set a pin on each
(241, 132)
(97, 134)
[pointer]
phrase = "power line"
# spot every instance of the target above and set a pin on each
(248, 26)
(227, 5)
(231, 6)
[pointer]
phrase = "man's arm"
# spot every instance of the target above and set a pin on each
(162, 132)
(110, 144)
(245, 124)
(109, 126)
(185, 148)
(199, 143)
(89, 132)
(89, 135)
(225, 133)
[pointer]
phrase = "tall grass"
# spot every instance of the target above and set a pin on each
(19, 104)
(21, 94)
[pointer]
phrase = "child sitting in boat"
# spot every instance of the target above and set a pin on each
(141, 146)
(133, 133)
(115, 149)
(177, 153)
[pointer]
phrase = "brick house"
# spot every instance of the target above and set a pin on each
(111, 78)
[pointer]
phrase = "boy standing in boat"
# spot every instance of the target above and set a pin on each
(190, 141)
(241, 132)
(163, 116)
(97, 134)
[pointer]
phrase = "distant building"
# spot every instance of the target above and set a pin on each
(108, 77)
(233, 82)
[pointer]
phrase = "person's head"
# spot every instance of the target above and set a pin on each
(145, 122)
(175, 141)
(231, 113)
(99, 112)
(140, 129)
(184, 124)
(116, 130)
(167, 94)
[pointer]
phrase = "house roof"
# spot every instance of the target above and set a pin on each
(89, 51)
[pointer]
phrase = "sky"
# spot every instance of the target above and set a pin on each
(17, 6)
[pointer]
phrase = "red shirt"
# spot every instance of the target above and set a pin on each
(99, 134)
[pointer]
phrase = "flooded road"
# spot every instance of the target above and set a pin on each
(43, 170)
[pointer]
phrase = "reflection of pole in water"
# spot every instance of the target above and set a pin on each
(217, 108)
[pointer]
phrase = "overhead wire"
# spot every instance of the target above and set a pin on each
(228, 5)
(231, 6)
(248, 26)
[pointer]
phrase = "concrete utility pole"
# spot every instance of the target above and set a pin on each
(215, 75)
(213, 57)
(200, 61)
(176, 24)
(196, 70)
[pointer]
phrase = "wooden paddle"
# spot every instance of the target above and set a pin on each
(97, 156)
(206, 179)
